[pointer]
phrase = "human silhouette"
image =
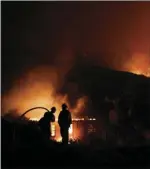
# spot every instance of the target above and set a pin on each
(45, 121)
(64, 121)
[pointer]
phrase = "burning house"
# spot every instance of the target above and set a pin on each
(79, 129)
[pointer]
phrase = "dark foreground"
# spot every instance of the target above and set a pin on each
(30, 150)
(56, 155)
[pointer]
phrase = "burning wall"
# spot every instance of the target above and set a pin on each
(79, 129)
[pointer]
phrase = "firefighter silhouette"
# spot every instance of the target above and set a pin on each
(64, 121)
(45, 123)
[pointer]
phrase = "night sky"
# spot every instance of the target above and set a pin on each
(50, 34)
(42, 32)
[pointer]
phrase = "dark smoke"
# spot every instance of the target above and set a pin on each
(52, 35)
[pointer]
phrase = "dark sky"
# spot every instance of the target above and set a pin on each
(50, 33)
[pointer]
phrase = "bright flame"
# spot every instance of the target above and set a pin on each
(59, 139)
(53, 129)
(138, 64)
(70, 129)
(33, 119)
(38, 89)
(74, 131)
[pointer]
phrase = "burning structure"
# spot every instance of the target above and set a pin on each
(79, 129)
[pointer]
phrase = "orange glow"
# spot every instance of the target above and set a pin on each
(75, 131)
(53, 129)
(138, 64)
(59, 139)
(70, 129)
(80, 106)
(33, 119)
(38, 88)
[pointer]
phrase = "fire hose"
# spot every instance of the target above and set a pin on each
(31, 110)
(20, 117)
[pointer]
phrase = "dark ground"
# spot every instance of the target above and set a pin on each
(30, 151)
(55, 155)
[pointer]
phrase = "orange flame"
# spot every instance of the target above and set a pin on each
(138, 64)
(38, 88)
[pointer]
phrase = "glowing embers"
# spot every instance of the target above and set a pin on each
(53, 129)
